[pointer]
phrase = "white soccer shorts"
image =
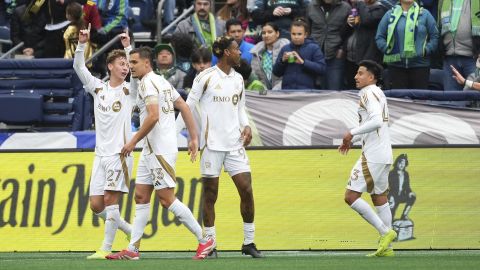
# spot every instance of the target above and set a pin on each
(110, 173)
(369, 177)
(157, 170)
(234, 162)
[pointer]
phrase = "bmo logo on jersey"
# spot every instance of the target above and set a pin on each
(234, 99)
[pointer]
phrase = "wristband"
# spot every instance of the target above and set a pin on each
(469, 84)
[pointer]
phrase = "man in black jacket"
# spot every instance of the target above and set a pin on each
(361, 44)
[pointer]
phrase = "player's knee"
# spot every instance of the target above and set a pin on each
(165, 202)
(141, 199)
(349, 199)
(96, 208)
(246, 192)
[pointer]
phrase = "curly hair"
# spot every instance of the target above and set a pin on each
(220, 45)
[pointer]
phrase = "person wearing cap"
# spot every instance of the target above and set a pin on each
(225, 132)
(202, 25)
(166, 65)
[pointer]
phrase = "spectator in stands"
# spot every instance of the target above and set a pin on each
(234, 9)
(328, 21)
(201, 60)
(168, 12)
(301, 61)
(281, 12)
(56, 24)
(114, 19)
(166, 65)
(360, 45)
(28, 26)
(7, 7)
(235, 30)
(407, 35)
(251, 82)
(202, 25)
(77, 23)
(265, 54)
(472, 82)
(91, 15)
(460, 30)
(183, 47)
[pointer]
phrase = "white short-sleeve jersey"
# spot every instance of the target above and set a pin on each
(112, 109)
(162, 139)
(376, 144)
(222, 108)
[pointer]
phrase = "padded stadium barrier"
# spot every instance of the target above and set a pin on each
(298, 202)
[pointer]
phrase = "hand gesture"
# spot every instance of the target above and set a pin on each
(351, 20)
(278, 11)
(457, 76)
(125, 39)
(298, 59)
(84, 35)
(193, 149)
(285, 56)
(346, 144)
(128, 148)
(246, 136)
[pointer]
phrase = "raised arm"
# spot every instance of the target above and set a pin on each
(88, 80)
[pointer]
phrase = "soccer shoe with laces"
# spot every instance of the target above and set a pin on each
(98, 255)
(252, 250)
(124, 255)
(385, 241)
(387, 253)
(204, 250)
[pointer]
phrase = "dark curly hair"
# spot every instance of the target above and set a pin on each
(183, 45)
(220, 45)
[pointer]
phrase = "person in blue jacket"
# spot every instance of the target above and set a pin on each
(407, 35)
(301, 61)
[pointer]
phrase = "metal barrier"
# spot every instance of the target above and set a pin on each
(12, 50)
(103, 49)
(161, 31)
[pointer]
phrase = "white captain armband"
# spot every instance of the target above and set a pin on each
(151, 100)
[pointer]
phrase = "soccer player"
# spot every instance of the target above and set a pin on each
(157, 99)
(113, 102)
(225, 132)
(370, 173)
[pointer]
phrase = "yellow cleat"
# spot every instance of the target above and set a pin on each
(385, 241)
(98, 255)
(387, 253)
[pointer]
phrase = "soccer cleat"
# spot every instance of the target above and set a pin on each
(124, 255)
(387, 253)
(204, 250)
(213, 254)
(252, 250)
(98, 255)
(386, 240)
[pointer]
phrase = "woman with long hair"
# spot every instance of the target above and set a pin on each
(265, 53)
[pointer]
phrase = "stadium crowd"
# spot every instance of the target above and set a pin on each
(319, 41)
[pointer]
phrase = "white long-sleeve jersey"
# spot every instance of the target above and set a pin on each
(373, 130)
(112, 108)
(222, 108)
(162, 139)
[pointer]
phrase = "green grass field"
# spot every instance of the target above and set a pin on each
(423, 259)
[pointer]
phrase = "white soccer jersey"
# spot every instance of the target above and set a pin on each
(112, 108)
(222, 108)
(162, 139)
(373, 129)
